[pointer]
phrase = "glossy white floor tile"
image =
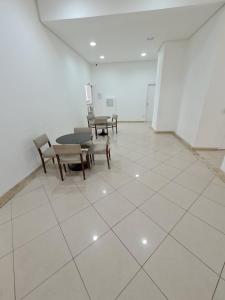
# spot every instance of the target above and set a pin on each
(115, 177)
(5, 213)
(141, 287)
(114, 207)
(153, 180)
(216, 193)
(106, 267)
(220, 291)
(136, 192)
(65, 284)
(96, 190)
(179, 274)
(179, 195)
(162, 211)
(140, 235)
(160, 203)
(83, 229)
(192, 182)
(5, 238)
(38, 260)
(204, 241)
(166, 171)
(32, 224)
(210, 212)
(6, 278)
(29, 201)
(70, 204)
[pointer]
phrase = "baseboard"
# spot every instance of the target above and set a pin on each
(162, 132)
(183, 141)
(18, 187)
(205, 149)
(131, 121)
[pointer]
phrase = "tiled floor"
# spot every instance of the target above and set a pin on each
(151, 228)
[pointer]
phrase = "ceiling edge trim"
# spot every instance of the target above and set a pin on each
(59, 37)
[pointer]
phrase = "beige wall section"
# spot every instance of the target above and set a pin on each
(200, 93)
(202, 115)
(127, 84)
(41, 89)
(169, 85)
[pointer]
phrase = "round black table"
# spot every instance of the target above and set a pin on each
(75, 138)
(81, 138)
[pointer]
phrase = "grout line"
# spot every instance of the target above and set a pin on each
(132, 278)
(59, 225)
(46, 279)
(13, 257)
(111, 228)
(220, 276)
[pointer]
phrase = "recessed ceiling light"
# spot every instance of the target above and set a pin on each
(143, 54)
(92, 44)
(95, 237)
(144, 241)
(150, 38)
(102, 57)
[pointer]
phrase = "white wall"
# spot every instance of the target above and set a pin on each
(223, 165)
(169, 85)
(68, 9)
(202, 115)
(41, 88)
(127, 82)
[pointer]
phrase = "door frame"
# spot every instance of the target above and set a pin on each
(147, 102)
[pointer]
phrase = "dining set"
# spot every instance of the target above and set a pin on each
(76, 151)
(101, 122)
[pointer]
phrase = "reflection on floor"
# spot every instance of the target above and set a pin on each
(152, 227)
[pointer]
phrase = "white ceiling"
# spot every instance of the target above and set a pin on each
(123, 37)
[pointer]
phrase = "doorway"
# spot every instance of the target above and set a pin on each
(149, 108)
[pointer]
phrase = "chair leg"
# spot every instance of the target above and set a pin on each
(60, 168)
(116, 128)
(107, 156)
(43, 164)
(64, 166)
(96, 132)
(53, 160)
(93, 158)
(82, 165)
(88, 161)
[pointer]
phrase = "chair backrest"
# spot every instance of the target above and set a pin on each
(90, 117)
(114, 117)
(41, 140)
(67, 149)
(82, 130)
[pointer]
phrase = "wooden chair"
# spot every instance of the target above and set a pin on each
(88, 144)
(114, 122)
(91, 121)
(48, 152)
(83, 130)
(69, 154)
(101, 123)
(102, 148)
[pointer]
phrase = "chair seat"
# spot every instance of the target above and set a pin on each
(111, 123)
(71, 159)
(98, 149)
(101, 126)
(48, 153)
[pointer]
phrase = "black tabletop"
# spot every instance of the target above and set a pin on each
(74, 138)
